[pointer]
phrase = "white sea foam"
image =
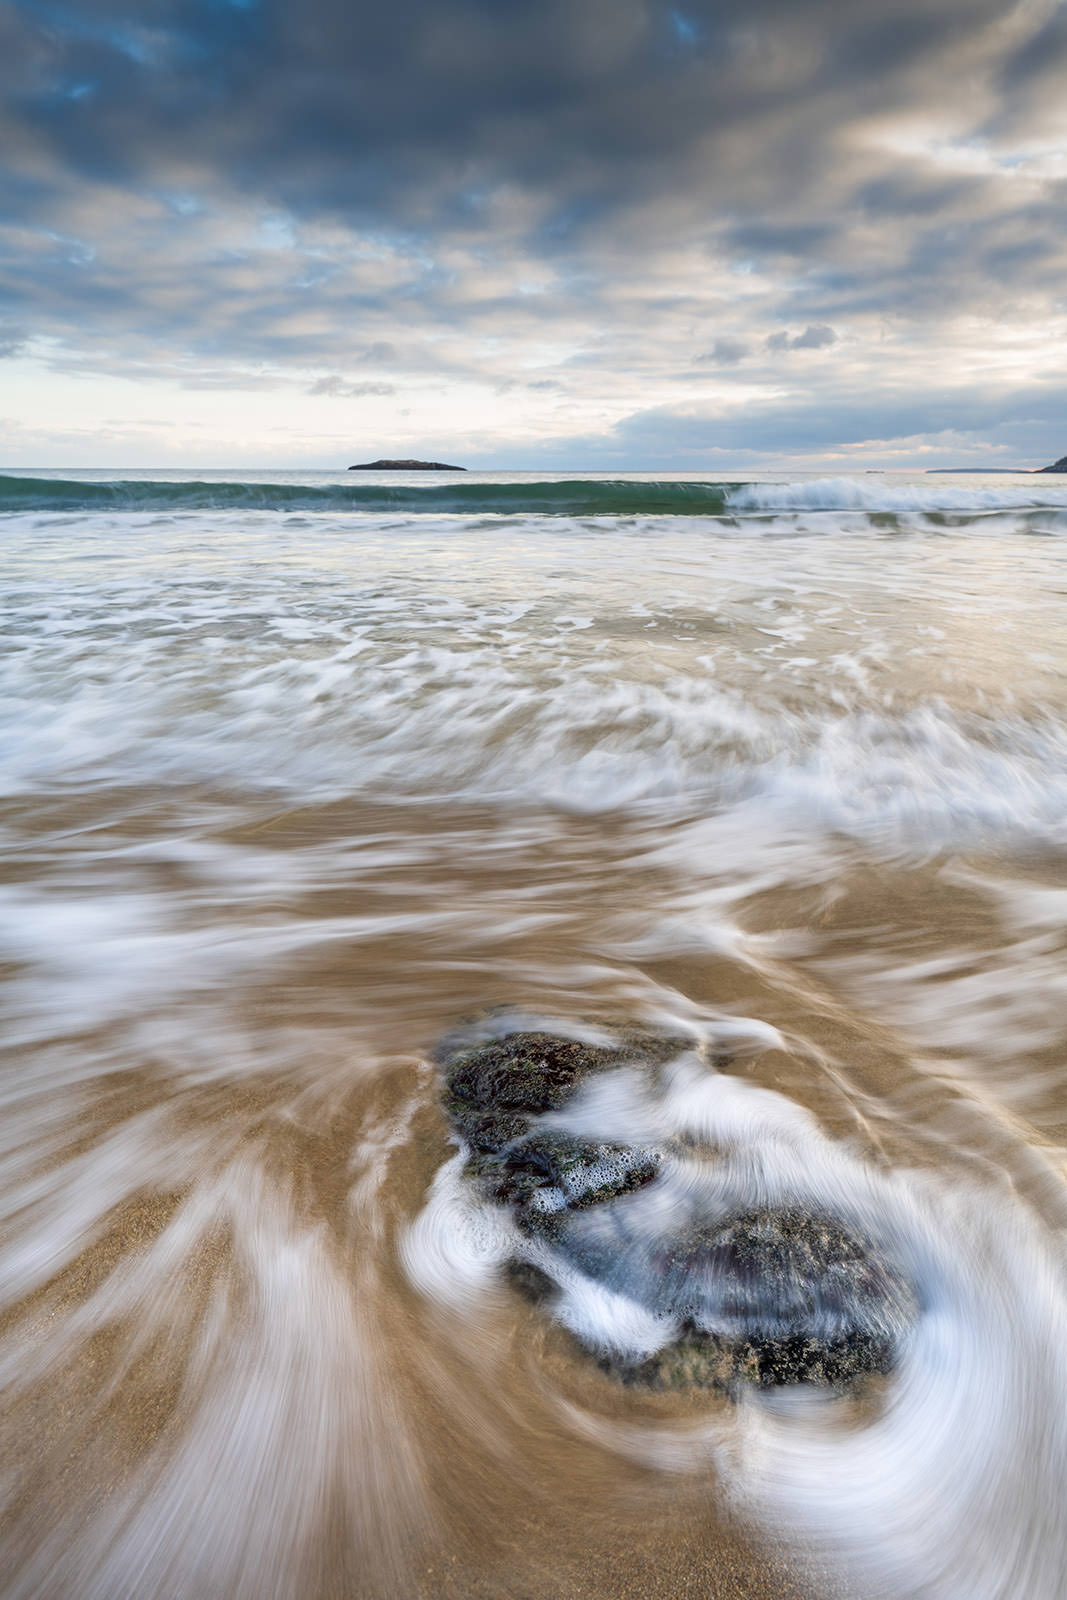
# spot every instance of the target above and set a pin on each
(877, 494)
(893, 693)
(954, 1489)
(935, 1493)
(467, 718)
(455, 1248)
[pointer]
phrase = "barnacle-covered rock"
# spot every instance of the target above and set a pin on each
(550, 1172)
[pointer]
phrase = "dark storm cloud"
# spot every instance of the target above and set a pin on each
(338, 186)
(411, 112)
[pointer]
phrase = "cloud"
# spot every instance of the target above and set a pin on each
(381, 351)
(1023, 420)
(336, 387)
(850, 428)
(12, 341)
(726, 352)
(465, 191)
(816, 336)
(440, 112)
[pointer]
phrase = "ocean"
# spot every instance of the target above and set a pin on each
(303, 771)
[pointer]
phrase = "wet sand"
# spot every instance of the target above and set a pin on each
(217, 1371)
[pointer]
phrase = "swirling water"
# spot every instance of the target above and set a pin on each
(294, 781)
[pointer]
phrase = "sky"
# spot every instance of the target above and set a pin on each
(599, 234)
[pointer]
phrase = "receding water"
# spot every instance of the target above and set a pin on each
(289, 793)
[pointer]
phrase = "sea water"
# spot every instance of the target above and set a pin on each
(298, 772)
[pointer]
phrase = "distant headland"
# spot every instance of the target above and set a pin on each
(1057, 466)
(405, 466)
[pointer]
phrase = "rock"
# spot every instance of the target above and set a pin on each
(1057, 466)
(548, 1173)
(521, 1072)
(494, 1086)
(759, 1294)
(769, 1295)
(404, 466)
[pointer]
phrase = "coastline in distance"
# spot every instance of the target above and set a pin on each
(1057, 466)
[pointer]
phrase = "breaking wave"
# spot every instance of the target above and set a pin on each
(566, 497)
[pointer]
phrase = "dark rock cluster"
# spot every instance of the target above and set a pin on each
(766, 1294)
(1057, 466)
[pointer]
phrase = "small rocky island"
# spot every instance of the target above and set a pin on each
(748, 1288)
(1057, 466)
(405, 466)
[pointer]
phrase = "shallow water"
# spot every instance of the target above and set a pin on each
(287, 795)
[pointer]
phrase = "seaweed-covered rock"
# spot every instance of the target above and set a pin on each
(762, 1294)
(520, 1072)
(496, 1088)
(770, 1295)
